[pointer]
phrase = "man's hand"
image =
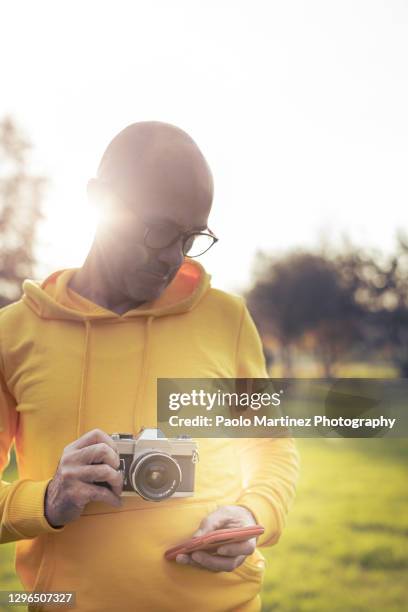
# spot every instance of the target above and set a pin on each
(90, 459)
(228, 556)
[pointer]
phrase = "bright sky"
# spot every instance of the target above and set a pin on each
(299, 107)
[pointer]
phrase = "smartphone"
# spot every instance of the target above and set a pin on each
(214, 539)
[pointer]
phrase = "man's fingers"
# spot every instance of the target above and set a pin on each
(93, 437)
(102, 473)
(216, 563)
(97, 453)
(187, 560)
(239, 548)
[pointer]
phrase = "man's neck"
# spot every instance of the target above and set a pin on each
(88, 282)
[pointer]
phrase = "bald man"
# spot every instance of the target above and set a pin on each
(81, 353)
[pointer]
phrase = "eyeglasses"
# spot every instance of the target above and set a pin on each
(158, 236)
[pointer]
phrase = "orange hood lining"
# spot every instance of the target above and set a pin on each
(53, 298)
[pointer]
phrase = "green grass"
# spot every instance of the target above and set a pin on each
(345, 547)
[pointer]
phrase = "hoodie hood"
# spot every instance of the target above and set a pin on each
(52, 298)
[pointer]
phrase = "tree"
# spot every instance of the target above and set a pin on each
(302, 294)
(20, 211)
(381, 289)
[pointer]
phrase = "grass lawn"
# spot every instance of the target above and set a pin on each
(345, 547)
(346, 542)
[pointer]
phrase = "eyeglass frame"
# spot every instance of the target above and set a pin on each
(184, 235)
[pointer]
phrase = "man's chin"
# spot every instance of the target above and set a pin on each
(147, 294)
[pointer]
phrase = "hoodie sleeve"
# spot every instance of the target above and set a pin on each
(269, 466)
(22, 501)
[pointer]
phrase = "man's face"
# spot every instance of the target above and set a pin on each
(133, 269)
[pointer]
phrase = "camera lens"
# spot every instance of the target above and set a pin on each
(155, 476)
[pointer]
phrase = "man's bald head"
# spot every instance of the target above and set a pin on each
(151, 161)
(152, 180)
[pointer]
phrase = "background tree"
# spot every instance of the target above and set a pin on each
(302, 295)
(20, 211)
(380, 286)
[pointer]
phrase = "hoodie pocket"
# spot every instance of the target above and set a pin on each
(115, 561)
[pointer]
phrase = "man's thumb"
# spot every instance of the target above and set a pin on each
(209, 523)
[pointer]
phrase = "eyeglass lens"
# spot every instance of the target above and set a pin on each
(194, 245)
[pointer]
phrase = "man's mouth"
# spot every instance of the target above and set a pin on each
(161, 277)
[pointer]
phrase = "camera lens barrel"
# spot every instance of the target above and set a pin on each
(155, 475)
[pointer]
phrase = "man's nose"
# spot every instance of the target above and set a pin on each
(172, 255)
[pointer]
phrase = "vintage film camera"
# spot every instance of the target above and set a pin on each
(156, 467)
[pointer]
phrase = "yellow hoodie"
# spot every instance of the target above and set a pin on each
(68, 366)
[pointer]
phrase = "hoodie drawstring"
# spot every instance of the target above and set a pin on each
(142, 379)
(82, 394)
